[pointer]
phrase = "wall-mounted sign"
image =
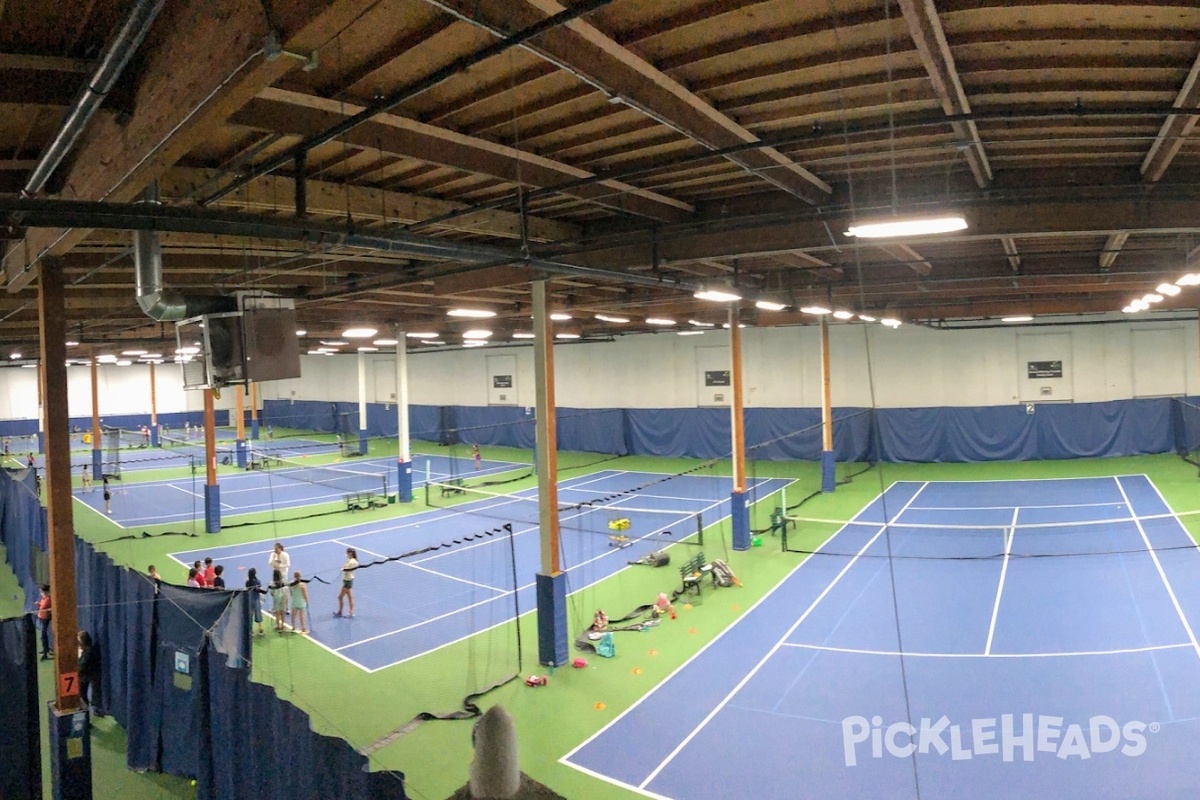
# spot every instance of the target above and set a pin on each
(502, 381)
(716, 377)
(1044, 369)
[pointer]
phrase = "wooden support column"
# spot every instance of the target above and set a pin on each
(97, 454)
(404, 477)
(551, 581)
(240, 443)
(53, 335)
(212, 492)
(739, 514)
(828, 465)
(154, 440)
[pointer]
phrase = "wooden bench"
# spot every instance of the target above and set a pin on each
(692, 572)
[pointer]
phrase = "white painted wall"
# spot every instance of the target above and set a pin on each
(872, 366)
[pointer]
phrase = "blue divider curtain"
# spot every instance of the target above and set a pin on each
(20, 735)
(956, 434)
(176, 677)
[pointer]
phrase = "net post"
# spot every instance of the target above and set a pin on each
(700, 529)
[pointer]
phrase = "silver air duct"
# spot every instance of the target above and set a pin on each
(158, 302)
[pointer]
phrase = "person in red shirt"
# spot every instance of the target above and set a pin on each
(43, 621)
(210, 573)
(200, 579)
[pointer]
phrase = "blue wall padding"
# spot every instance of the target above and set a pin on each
(212, 508)
(22, 528)
(20, 740)
(956, 434)
(828, 471)
(553, 635)
(739, 521)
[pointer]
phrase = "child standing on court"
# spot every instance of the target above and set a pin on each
(279, 599)
(477, 456)
(299, 594)
(254, 586)
(347, 591)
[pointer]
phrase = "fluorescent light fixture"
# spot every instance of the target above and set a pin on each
(718, 295)
(15, 356)
(73, 343)
(659, 321)
(474, 343)
(1191, 279)
(421, 335)
(522, 335)
(368, 349)
(769, 305)
(431, 341)
(386, 342)
(150, 356)
(477, 333)
(843, 314)
(187, 351)
(301, 332)
(133, 352)
(911, 226)
(815, 310)
(560, 316)
(1131, 309)
(1017, 318)
(471, 313)
(334, 343)
(29, 366)
(1169, 289)
(1152, 298)
(726, 325)
(613, 319)
(566, 335)
(700, 324)
(124, 362)
(359, 333)
(890, 322)
(107, 359)
(866, 318)
(690, 333)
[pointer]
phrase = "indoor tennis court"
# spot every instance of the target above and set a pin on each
(985, 639)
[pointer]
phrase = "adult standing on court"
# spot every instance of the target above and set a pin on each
(347, 592)
(281, 561)
(107, 496)
(87, 478)
(43, 621)
(89, 674)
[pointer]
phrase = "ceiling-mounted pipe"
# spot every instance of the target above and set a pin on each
(99, 84)
(158, 302)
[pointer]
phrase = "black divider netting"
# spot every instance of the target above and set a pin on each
(620, 524)
(340, 479)
(1116, 536)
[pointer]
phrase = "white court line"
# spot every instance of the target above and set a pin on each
(1008, 508)
(1161, 572)
(427, 570)
(906, 654)
(1009, 535)
(941, 526)
(716, 709)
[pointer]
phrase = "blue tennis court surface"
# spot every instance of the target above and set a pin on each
(137, 503)
(1015, 639)
(410, 607)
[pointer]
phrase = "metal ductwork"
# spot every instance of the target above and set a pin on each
(158, 302)
(108, 70)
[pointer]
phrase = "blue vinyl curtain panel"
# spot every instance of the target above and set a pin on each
(199, 724)
(20, 735)
(924, 435)
(22, 528)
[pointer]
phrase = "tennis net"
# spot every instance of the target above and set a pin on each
(1116, 534)
(340, 479)
(1187, 430)
(621, 524)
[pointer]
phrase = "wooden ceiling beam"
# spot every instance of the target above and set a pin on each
(307, 115)
(597, 59)
(206, 64)
(1175, 128)
(1112, 248)
(925, 27)
(268, 193)
(481, 279)
(1011, 252)
(908, 257)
